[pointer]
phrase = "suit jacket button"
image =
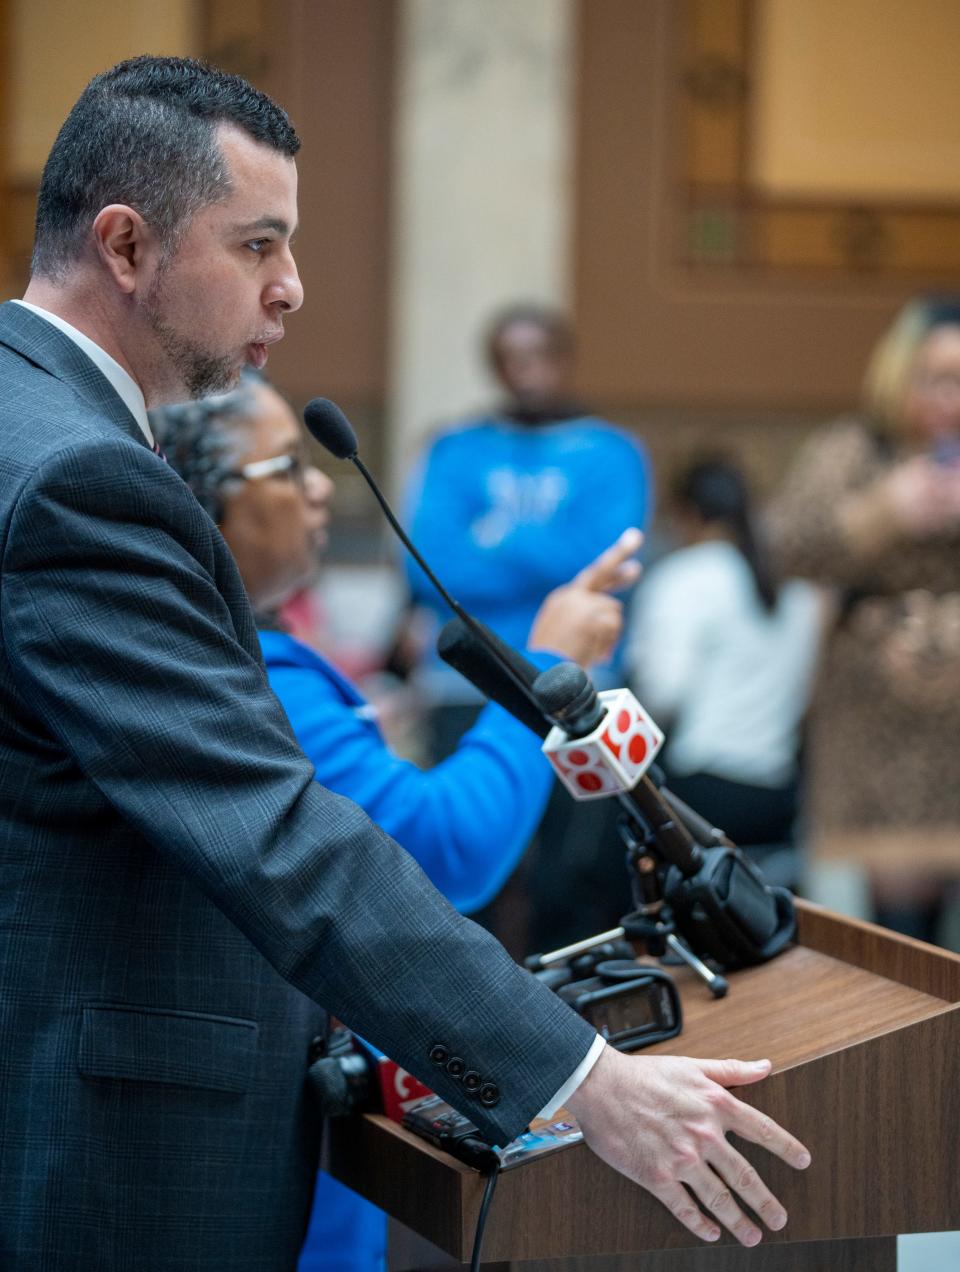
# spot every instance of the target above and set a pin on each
(455, 1066)
(472, 1081)
(439, 1055)
(489, 1095)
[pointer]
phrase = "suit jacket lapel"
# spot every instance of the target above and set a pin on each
(47, 347)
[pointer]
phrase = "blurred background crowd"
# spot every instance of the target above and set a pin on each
(577, 266)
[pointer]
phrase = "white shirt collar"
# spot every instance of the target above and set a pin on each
(124, 383)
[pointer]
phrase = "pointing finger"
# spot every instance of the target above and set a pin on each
(613, 569)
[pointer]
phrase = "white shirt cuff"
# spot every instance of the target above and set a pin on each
(575, 1078)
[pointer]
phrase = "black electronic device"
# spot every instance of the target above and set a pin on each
(445, 1128)
(441, 1124)
(630, 1004)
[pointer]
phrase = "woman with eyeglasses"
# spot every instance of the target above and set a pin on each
(872, 507)
(467, 820)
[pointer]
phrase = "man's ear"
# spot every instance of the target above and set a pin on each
(123, 242)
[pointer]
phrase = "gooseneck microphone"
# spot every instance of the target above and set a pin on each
(721, 904)
(330, 427)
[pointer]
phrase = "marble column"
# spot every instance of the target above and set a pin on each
(481, 192)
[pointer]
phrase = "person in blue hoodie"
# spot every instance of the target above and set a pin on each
(506, 505)
(512, 502)
(468, 819)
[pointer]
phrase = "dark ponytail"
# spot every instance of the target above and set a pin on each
(717, 490)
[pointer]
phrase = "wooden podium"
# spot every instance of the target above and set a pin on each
(863, 1029)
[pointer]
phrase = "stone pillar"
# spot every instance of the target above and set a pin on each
(481, 193)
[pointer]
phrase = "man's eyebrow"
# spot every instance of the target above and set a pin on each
(275, 223)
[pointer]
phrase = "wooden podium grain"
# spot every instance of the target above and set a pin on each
(863, 1029)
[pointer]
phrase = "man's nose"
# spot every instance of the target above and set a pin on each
(286, 290)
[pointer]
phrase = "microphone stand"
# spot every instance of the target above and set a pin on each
(651, 922)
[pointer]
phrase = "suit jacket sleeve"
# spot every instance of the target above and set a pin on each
(116, 625)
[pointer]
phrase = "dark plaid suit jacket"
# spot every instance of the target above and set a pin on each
(177, 894)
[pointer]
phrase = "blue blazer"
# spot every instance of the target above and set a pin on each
(176, 892)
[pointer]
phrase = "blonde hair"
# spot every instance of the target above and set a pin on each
(887, 377)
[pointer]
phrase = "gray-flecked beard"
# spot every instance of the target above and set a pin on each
(201, 372)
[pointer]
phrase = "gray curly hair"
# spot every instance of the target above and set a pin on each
(202, 440)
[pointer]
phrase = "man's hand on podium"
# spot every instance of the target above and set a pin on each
(663, 1120)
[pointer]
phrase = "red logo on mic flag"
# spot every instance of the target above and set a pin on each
(612, 758)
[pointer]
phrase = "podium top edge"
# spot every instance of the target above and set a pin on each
(922, 967)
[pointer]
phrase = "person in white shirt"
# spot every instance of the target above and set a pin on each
(723, 656)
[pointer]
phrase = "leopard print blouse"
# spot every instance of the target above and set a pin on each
(884, 737)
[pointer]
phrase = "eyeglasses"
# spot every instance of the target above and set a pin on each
(293, 466)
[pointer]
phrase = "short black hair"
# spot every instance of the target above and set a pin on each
(552, 322)
(144, 133)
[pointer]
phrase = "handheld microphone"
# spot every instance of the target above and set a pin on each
(592, 751)
(721, 903)
(460, 649)
(330, 427)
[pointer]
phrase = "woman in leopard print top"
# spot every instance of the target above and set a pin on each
(872, 506)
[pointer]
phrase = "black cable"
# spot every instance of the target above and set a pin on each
(482, 1217)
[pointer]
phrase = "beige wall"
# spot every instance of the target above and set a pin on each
(481, 208)
(58, 45)
(654, 331)
(859, 99)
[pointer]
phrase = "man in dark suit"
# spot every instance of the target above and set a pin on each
(176, 892)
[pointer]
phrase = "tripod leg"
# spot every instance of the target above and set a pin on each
(717, 985)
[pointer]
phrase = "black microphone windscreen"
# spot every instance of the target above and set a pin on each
(461, 649)
(566, 693)
(331, 428)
